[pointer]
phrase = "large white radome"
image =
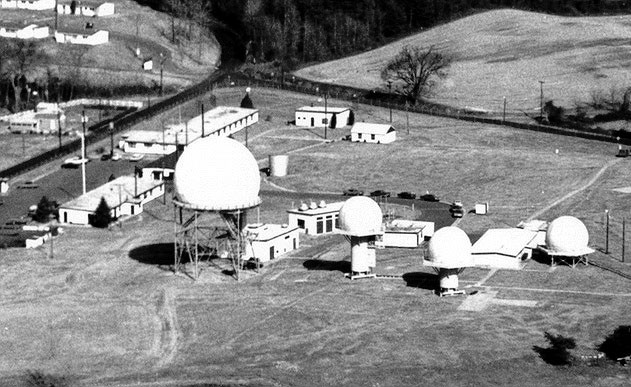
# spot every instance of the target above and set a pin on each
(567, 235)
(360, 216)
(449, 248)
(217, 173)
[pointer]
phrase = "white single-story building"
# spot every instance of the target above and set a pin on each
(40, 121)
(269, 241)
(86, 8)
(220, 121)
(162, 168)
(33, 5)
(22, 31)
(82, 36)
(316, 219)
(375, 133)
(125, 195)
(504, 248)
(319, 116)
(147, 65)
(406, 233)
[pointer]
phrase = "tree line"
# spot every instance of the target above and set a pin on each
(291, 32)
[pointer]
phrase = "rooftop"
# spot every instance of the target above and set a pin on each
(265, 232)
(115, 192)
(326, 209)
(370, 128)
(320, 109)
(403, 226)
(504, 241)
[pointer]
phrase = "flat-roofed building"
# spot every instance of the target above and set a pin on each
(269, 241)
(319, 116)
(86, 8)
(374, 133)
(504, 248)
(14, 30)
(82, 36)
(220, 121)
(316, 218)
(33, 5)
(44, 120)
(406, 233)
(125, 195)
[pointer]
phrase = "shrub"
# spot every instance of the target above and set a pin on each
(618, 343)
(558, 352)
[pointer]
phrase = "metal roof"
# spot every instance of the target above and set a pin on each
(320, 109)
(504, 241)
(370, 128)
(115, 192)
(327, 209)
(262, 232)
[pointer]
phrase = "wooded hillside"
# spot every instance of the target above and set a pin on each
(299, 31)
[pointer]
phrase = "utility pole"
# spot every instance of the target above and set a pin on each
(541, 102)
(407, 116)
(389, 97)
(162, 59)
(623, 232)
(111, 126)
(504, 113)
(607, 232)
(58, 121)
(84, 119)
(56, 14)
(202, 120)
(83, 164)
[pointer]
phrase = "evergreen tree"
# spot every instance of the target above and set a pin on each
(617, 344)
(246, 102)
(102, 216)
(333, 123)
(45, 208)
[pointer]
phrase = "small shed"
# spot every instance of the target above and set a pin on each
(407, 233)
(375, 133)
(504, 248)
(319, 116)
(269, 241)
(147, 64)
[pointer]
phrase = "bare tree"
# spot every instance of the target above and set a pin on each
(413, 71)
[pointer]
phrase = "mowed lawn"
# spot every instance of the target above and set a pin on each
(505, 53)
(106, 309)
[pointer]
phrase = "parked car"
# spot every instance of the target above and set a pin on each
(27, 185)
(74, 162)
(352, 192)
(624, 153)
(105, 156)
(135, 157)
(116, 157)
(406, 195)
(428, 197)
(380, 194)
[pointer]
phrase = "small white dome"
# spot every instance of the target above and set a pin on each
(360, 216)
(449, 248)
(567, 235)
(217, 173)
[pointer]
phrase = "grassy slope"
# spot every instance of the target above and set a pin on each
(115, 63)
(505, 53)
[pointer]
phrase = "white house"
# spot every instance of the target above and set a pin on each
(82, 36)
(318, 116)
(86, 8)
(41, 121)
(33, 5)
(125, 195)
(21, 31)
(375, 133)
(316, 219)
(269, 241)
(504, 248)
(220, 121)
(406, 233)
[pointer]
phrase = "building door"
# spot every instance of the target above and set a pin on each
(271, 252)
(132, 209)
(294, 243)
(312, 121)
(65, 217)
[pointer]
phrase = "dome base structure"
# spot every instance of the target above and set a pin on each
(570, 258)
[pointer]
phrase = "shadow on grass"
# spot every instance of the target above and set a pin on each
(317, 264)
(421, 280)
(552, 356)
(159, 254)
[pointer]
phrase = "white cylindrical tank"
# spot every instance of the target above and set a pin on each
(278, 165)
(363, 259)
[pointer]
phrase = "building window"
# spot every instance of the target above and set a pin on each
(359, 136)
(372, 136)
(319, 227)
(301, 223)
(329, 224)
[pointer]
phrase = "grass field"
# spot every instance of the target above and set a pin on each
(505, 53)
(106, 310)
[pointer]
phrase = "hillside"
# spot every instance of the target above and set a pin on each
(115, 63)
(506, 53)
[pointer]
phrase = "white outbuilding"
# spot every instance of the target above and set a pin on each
(504, 248)
(319, 116)
(407, 233)
(316, 218)
(270, 241)
(86, 8)
(82, 36)
(375, 133)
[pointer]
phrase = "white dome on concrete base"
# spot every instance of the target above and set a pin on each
(567, 236)
(449, 248)
(217, 173)
(360, 216)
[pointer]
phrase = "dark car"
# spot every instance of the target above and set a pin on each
(106, 156)
(406, 195)
(429, 197)
(27, 185)
(352, 192)
(380, 194)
